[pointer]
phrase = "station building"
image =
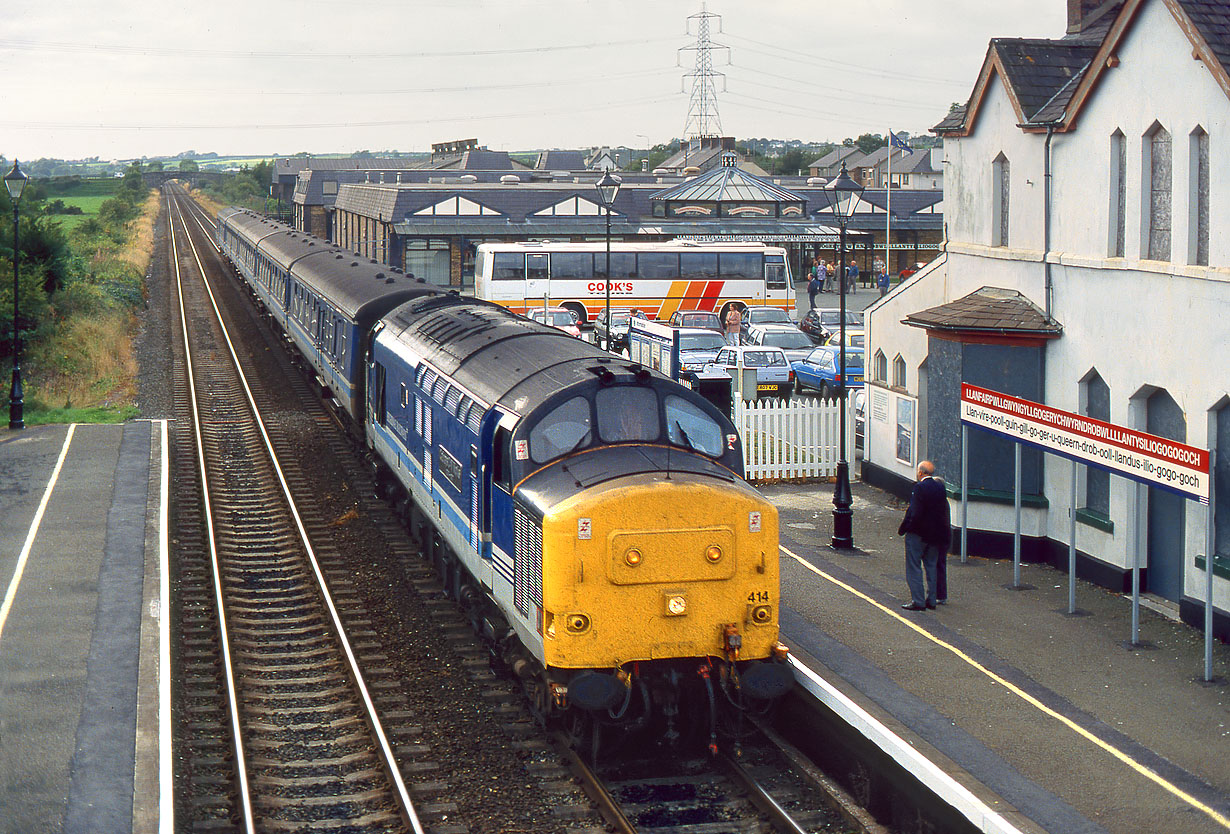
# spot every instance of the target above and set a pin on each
(430, 221)
(1087, 267)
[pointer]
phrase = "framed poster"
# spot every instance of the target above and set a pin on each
(905, 430)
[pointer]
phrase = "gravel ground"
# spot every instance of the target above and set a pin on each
(484, 767)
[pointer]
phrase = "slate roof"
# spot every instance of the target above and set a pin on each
(834, 157)
(561, 161)
(988, 310)
(1036, 69)
(1212, 20)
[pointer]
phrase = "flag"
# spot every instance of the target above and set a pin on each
(894, 141)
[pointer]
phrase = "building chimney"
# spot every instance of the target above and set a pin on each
(1083, 13)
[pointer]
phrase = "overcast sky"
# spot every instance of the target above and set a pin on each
(129, 78)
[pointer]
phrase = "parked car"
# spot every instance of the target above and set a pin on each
(697, 347)
(787, 337)
(754, 316)
(618, 334)
(821, 371)
(822, 322)
(696, 318)
(773, 373)
(854, 339)
(557, 317)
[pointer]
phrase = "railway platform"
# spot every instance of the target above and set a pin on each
(1053, 722)
(81, 553)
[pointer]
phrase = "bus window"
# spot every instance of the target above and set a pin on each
(698, 266)
(577, 266)
(536, 266)
(737, 266)
(775, 272)
(658, 265)
(508, 266)
(623, 265)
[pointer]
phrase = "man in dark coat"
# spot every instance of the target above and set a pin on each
(927, 530)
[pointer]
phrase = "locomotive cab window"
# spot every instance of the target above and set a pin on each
(626, 414)
(561, 430)
(687, 425)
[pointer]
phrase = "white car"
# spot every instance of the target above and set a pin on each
(774, 376)
(558, 318)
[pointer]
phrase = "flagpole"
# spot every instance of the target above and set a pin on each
(888, 208)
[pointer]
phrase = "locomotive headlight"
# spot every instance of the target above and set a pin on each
(713, 554)
(676, 605)
(762, 614)
(577, 623)
(633, 557)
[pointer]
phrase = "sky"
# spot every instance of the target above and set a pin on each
(284, 76)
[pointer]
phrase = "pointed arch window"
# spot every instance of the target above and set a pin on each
(1158, 174)
(1118, 195)
(1198, 198)
(1000, 193)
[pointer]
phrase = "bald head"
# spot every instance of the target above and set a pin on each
(925, 469)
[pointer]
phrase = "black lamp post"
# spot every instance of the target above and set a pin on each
(843, 194)
(15, 181)
(608, 187)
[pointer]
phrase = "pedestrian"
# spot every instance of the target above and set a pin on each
(828, 278)
(813, 286)
(884, 281)
(851, 277)
(927, 532)
(734, 322)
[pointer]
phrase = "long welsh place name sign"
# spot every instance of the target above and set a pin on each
(1136, 455)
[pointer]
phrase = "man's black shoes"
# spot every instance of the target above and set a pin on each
(909, 606)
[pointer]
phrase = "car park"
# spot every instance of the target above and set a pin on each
(821, 323)
(821, 370)
(696, 318)
(789, 338)
(558, 318)
(774, 376)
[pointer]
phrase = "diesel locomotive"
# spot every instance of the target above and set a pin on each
(588, 513)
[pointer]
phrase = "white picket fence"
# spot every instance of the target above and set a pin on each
(797, 438)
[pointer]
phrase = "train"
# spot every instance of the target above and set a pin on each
(589, 514)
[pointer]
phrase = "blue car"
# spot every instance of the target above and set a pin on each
(821, 370)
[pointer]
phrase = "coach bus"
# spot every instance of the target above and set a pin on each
(655, 278)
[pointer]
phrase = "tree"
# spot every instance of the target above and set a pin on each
(792, 162)
(156, 165)
(868, 142)
(189, 165)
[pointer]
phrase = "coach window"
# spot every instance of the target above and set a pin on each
(563, 429)
(626, 414)
(662, 265)
(687, 425)
(508, 266)
(575, 266)
(698, 266)
(775, 272)
(623, 265)
(738, 265)
(536, 266)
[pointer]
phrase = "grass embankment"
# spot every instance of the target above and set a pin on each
(83, 369)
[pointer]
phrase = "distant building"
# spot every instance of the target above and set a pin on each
(1108, 296)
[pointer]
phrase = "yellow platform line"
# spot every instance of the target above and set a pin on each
(1144, 771)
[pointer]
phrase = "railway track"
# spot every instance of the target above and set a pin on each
(286, 730)
(316, 770)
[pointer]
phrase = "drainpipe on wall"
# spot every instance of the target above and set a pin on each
(1046, 218)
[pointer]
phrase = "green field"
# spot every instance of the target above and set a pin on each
(86, 194)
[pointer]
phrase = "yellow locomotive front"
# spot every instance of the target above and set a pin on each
(660, 574)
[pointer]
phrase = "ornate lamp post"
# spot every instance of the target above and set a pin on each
(608, 187)
(15, 182)
(843, 194)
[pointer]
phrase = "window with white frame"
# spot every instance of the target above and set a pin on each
(899, 372)
(879, 367)
(1095, 403)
